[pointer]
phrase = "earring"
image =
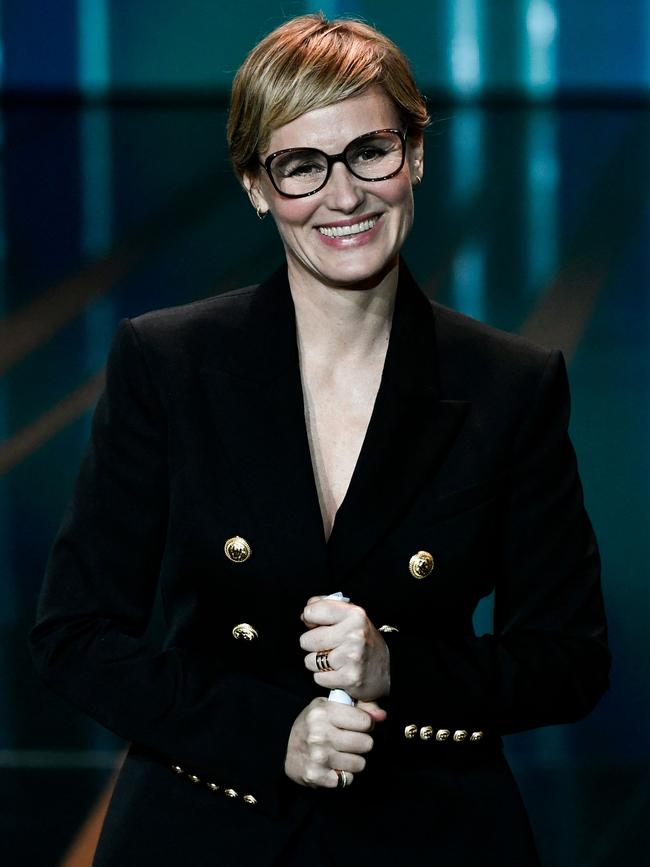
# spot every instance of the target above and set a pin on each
(260, 213)
(417, 180)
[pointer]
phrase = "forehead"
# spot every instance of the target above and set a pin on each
(332, 127)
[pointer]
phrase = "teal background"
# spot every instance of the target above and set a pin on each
(116, 197)
(458, 47)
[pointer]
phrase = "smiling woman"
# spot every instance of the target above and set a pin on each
(327, 428)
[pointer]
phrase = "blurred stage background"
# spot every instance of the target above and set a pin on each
(116, 197)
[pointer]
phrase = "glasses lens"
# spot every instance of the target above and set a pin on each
(299, 172)
(375, 156)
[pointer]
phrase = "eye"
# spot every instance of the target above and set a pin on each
(373, 149)
(303, 170)
(369, 152)
(298, 165)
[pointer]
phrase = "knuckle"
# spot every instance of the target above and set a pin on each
(318, 755)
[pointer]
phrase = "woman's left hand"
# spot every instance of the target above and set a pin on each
(357, 652)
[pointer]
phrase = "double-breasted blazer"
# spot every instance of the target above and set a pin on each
(200, 437)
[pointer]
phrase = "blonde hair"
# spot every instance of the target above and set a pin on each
(309, 63)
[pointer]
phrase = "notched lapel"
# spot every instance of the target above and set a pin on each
(258, 413)
(410, 432)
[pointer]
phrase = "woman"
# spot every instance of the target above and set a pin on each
(327, 430)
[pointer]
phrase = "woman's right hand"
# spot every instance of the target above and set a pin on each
(328, 735)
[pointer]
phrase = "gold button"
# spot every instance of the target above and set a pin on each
(426, 733)
(460, 736)
(443, 735)
(250, 799)
(231, 793)
(410, 732)
(237, 549)
(386, 628)
(476, 736)
(213, 787)
(421, 564)
(194, 779)
(177, 769)
(245, 631)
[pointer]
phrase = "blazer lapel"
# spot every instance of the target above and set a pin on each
(410, 432)
(258, 410)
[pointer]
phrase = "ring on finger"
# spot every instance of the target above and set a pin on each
(342, 778)
(322, 660)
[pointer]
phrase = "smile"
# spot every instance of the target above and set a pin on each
(354, 229)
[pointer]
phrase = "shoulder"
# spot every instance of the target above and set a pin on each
(223, 310)
(195, 332)
(473, 356)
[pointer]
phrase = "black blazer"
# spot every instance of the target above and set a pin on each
(199, 437)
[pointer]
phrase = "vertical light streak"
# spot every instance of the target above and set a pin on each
(7, 577)
(465, 46)
(542, 175)
(94, 47)
(96, 240)
(541, 33)
(467, 163)
(97, 230)
(468, 279)
(467, 177)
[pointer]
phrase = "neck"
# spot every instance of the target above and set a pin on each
(343, 324)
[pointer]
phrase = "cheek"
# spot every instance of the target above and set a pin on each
(291, 215)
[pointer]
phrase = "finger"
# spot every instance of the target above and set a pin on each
(331, 660)
(356, 743)
(325, 612)
(348, 718)
(310, 601)
(350, 762)
(378, 714)
(323, 637)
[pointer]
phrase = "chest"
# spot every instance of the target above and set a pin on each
(338, 408)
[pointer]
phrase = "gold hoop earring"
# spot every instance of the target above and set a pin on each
(417, 180)
(260, 213)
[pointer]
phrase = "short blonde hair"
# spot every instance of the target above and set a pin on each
(307, 63)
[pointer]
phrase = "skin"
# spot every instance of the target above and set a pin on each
(343, 295)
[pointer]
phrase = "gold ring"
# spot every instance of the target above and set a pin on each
(322, 661)
(342, 778)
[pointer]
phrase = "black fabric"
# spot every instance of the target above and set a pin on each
(200, 436)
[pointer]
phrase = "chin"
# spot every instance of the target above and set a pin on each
(355, 274)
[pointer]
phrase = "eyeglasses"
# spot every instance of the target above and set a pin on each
(374, 156)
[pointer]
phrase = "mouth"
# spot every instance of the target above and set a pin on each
(344, 230)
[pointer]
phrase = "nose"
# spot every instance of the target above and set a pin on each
(344, 191)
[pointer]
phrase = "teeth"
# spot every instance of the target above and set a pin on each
(341, 231)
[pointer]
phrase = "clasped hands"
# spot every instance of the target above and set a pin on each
(328, 736)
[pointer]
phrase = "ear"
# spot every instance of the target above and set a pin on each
(252, 185)
(416, 158)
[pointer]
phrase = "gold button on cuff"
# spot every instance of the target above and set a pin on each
(193, 778)
(231, 793)
(237, 549)
(426, 733)
(421, 564)
(213, 787)
(244, 631)
(476, 736)
(177, 769)
(443, 735)
(249, 799)
(387, 628)
(460, 736)
(410, 732)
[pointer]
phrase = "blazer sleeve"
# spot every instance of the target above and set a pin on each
(547, 660)
(97, 598)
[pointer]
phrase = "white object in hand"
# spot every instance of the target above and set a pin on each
(340, 695)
